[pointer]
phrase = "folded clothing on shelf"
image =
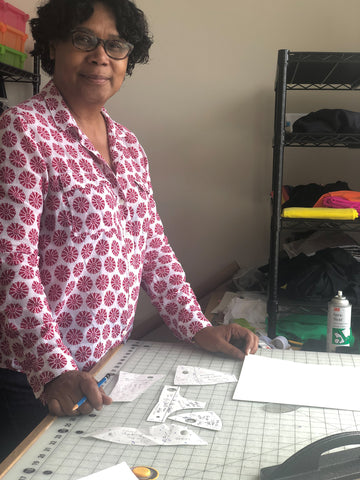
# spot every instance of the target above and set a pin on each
(307, 195)
(320, 213)
(340, 199)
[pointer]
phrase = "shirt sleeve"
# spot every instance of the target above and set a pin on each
(30, 340)
(165, 282)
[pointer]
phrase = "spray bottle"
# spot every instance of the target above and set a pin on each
(339, 323)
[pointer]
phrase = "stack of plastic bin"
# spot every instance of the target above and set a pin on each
(12, 34)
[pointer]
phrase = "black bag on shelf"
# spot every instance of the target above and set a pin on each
(328, 121)
(321, 276)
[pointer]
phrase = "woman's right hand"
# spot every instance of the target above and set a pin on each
(62, 393)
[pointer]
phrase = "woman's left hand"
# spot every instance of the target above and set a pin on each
(217, 339)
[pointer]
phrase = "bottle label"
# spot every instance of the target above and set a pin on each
(339, 327)
(340, 336)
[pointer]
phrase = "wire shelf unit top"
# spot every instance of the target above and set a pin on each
(323, 70)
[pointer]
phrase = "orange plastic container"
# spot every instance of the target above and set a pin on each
(12, 37)
(13, 16)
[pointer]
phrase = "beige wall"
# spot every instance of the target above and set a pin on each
(203, 110)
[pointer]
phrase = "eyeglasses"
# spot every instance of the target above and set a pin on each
(115, 48)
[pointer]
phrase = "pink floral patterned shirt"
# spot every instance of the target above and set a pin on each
(77, 240)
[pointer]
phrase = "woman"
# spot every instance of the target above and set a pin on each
(79, 226)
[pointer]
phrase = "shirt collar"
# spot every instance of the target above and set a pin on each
(63, 119)
(61, 115)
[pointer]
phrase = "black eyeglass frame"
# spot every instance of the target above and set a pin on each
(100, 41)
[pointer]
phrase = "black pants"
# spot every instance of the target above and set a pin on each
(20, 411)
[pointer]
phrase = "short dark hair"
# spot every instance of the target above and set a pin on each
(56, 19)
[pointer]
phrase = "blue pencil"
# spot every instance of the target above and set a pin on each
(83, 399)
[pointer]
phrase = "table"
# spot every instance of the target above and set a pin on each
(254, 435)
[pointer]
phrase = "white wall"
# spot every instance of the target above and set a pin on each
(203, 109)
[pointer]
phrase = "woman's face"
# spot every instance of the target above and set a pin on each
(89, 79)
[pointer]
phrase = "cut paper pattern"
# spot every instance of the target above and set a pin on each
(156, 435)
(170, 401)
(130, 386)
(186, 375)
(208, 420)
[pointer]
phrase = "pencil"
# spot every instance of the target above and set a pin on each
(83, 399)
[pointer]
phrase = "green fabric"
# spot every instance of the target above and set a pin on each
(303, 327)
(244, 323)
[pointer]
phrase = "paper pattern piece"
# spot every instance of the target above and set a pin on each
(208, 420)
(115, 472)
(131, 385)
(156, 435)
(265, 379)
(170, 401)
(186, 375)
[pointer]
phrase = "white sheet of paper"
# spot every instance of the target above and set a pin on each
(272, 380)
(169, 402)
(156, 435)
(115, 472)
(131, 385)
(186, 375)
